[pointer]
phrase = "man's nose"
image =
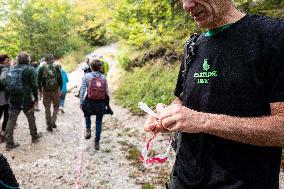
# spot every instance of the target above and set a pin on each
(188, 4)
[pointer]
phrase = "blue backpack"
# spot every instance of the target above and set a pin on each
(13, 81)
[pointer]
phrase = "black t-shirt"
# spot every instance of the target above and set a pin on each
(236, 72)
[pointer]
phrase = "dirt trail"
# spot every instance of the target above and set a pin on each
(53, 163)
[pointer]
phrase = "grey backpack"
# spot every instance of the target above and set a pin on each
(13, 81)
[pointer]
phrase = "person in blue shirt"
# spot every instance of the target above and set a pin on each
(65, 80)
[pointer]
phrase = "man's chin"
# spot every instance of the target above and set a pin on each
(201, 24)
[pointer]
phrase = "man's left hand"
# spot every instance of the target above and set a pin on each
(179, 118)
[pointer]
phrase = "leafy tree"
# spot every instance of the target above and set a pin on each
(40, 27)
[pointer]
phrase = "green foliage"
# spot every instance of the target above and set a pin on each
(274, 8)
(130, 58)
(40, 27)
(95, 18)
(153, 83)
(147, 186)
(145, 24)
(93, 33)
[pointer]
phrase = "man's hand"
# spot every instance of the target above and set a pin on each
(152, 124)
(179, 118)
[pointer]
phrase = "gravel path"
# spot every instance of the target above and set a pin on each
(53, 163)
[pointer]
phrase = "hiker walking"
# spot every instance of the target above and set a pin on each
(50, 86)
(95, 101)
(22, 87)
(65, 80)
(4, 105)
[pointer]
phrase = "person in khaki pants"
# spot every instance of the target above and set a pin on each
(50, 85)
(21, 84)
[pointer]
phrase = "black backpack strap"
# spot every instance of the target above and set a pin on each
(189, 55)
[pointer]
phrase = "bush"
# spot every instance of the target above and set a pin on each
(154, 83)
(93, 33)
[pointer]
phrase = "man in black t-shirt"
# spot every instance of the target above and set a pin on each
(229, 109)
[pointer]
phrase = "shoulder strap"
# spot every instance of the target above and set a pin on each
(189, 55)
(100, 75)
(189, 52)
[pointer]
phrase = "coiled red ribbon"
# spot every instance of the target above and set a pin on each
(156, 159)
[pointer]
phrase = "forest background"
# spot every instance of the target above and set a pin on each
(149, 34)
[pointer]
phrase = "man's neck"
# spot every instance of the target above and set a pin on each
(231, 16)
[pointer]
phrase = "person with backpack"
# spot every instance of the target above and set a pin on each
(50, 86)
(95, 101)
(65, 80)
(22, 87)
(4, 105)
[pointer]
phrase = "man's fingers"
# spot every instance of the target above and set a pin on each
(150, 123)
(159, 107)
(168, 121)
(168, 111)
(149, 127)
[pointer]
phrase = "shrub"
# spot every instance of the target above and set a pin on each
(154, 83)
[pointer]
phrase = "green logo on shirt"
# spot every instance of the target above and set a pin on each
(206, 66)
(204, 76)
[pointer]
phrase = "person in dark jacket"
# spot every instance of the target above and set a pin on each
(25, 101)
(93, 107)
(4, 104)
(7, 177)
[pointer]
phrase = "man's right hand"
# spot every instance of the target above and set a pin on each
(152, 124)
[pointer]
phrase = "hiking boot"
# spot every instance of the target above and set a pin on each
(88, 134)
(36, 138)
(10, 146)
(62, 110)
(49, 128)
(97, 145)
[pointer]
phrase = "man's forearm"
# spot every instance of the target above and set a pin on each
(262, 131)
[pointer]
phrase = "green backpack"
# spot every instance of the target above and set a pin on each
(50, 75)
